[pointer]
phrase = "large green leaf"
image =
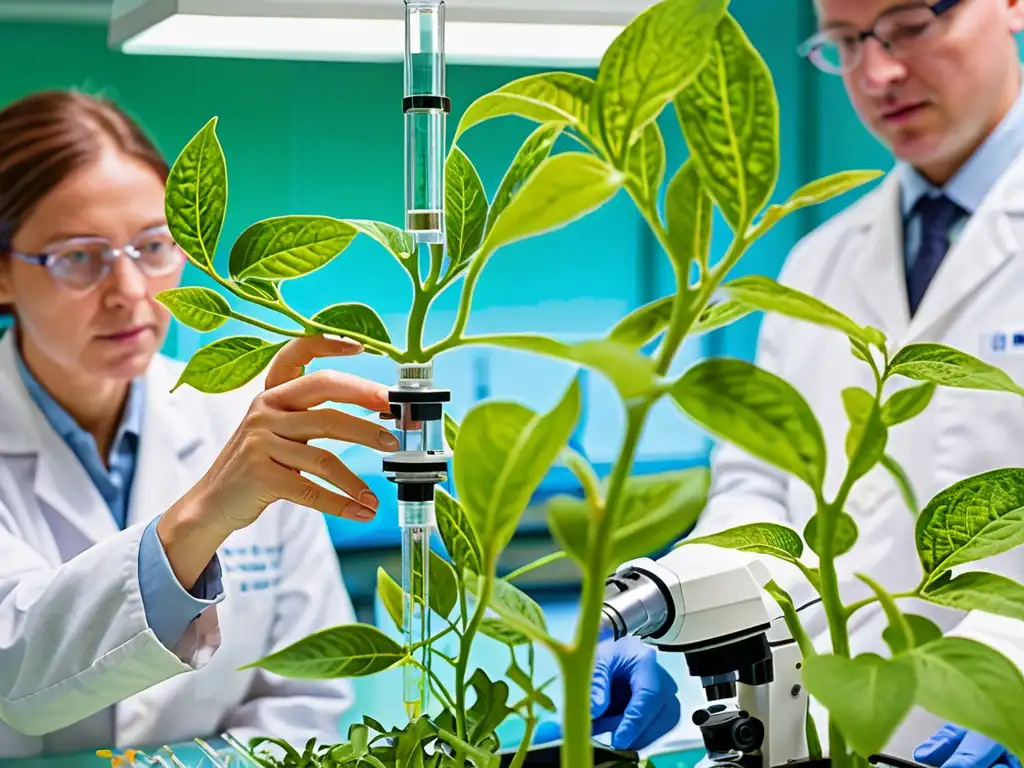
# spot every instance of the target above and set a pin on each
(655, 511)
(263, 290)
(730, 117)
(646, 166)
(397, 241)
(630, 372)
(346, 319)
(489, 709)
(756, 411)
(719, 315)
(818, 191)
(868, 696)
(547, 97)
(948, 367)
(457, 533)
(505, 451)
(227, 364)
(761, 538)
(764, 293)
(657, 55)
(564, 188)
(644, 323)
(968, 683)
(500, 630)
(534, 151)
(569, 523)
(196, 196)
(390, 593)
(906, 404)
(688, 216)
(975, 518)
(647, 322)
(844, 535)
(444, 588)
(899, 635)
(199, 308)
(922, 631)
(979, 591)
(285, 247)
(899, 476)
(465, 207)
(518, 609)
(351, 650)
(510, 601)
(867, 436)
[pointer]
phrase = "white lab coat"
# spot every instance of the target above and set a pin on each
(79, 667)
(854, 262)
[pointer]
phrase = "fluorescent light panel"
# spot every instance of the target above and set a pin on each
(370, 40)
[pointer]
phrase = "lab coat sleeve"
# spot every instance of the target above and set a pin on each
(169, 608)
(74, 639)
(310, 597)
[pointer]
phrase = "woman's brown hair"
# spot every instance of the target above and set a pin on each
(47, 136)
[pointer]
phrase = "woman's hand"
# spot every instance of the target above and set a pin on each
(262, 461)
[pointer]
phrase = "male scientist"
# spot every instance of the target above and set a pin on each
(931, 254)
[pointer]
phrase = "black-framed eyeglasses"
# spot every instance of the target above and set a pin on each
(903, 31)
(81, 263)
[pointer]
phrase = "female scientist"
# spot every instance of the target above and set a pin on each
(150, 543)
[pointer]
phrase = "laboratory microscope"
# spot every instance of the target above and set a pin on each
(709, 604)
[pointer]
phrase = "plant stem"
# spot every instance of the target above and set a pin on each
(579, 664)
(440, 689)
(434, 638)
(852, 608)
(282, 307)
(414, 327)
(539, 563)
(524, 745)
(266, 326)
(483, 599)
(454, 338)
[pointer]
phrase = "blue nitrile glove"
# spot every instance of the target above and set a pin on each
(955, 747)
(632, 697)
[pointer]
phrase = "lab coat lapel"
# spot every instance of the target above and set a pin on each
(61, 482)
(986, 244)
(874, 242)
(170, 436)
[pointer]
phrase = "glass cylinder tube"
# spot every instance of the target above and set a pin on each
(417, 521)
(425, 120)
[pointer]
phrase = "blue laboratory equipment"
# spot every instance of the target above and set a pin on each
(421, 461)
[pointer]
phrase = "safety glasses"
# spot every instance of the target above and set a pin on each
(82, 263)
(904, 31)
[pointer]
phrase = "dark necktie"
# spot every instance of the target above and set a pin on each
(937, 216)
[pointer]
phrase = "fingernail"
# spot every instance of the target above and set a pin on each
(389, 441)
(342, 340)
(359, 512)
(369, 499)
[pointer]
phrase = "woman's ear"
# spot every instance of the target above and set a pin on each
(1016, 10)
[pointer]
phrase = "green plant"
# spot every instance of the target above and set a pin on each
(693, 55)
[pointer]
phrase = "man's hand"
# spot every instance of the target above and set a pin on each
(954, 747)
(632, 697)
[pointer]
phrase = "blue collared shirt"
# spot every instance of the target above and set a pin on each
(169, 608)
(969, 185)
